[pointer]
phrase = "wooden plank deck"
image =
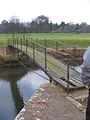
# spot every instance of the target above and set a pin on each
(56, 69)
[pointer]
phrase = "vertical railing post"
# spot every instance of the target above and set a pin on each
(8, 41)
(45, 43)
(24, 39)
(17, 43)
(74, 53)
(56, 45)
(50, 79)
(13, 39)
(13, 47)
(37, 42)
(67, 73)
(45, 56)
(29, 36)
(17, 49)
(21, 44)
(31, 42)
(18, 54)
(33, 51)
(13, 42)
(45, 60)
(26, 46)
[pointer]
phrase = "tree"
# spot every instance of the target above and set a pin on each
(4, 27)
(77, 28)
(55, 27)
(62, 26)
(69, 27)
(40, 24)
(50, 26)
(88, 29)
(34, 26)
(27, 25)
(14, 24)
(83, 27)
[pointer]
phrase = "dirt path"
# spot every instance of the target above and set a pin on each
(50, 103)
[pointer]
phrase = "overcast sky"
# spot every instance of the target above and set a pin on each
(75, 11)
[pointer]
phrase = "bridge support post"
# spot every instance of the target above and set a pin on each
(50, 79)
(13, 46)
(26, 45)
(74, 50)
(18, 54)
(13, 42)
(31, 42)
(45, 60)
(67, 73)
(37, 43)
(45, 43)
(8, 41)
(56, 45)
(17, 49)
(33, 51)
(17, 43)
(21, 44)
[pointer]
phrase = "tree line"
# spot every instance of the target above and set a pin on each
(41, 24)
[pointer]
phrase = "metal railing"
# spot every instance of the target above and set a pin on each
(40, 55)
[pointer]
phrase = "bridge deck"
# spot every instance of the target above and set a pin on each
(56, 69)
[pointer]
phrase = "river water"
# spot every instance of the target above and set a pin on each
(17, 85)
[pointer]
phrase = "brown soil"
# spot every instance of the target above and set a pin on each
(7, 57)
(75, 55)
(72, 52)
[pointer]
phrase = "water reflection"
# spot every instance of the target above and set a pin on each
(16, 86)
(16, 96)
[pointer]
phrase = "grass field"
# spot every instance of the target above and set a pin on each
(72, 39)
(67, 39)
(3, 39)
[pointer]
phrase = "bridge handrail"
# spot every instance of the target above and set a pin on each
(62, 53)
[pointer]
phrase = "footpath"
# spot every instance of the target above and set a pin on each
(50, 102)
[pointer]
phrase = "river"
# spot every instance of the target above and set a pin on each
(17, 85)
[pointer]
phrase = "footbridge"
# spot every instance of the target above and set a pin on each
(58, 71)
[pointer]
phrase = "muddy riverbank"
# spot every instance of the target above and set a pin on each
(7, 58)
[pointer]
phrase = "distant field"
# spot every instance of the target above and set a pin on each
(72, 39)
(68, 39)
(3, 39)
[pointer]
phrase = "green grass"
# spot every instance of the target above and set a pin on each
(68, 39)
(3, 39)
(72, 39)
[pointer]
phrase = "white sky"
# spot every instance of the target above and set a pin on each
(75, 11)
